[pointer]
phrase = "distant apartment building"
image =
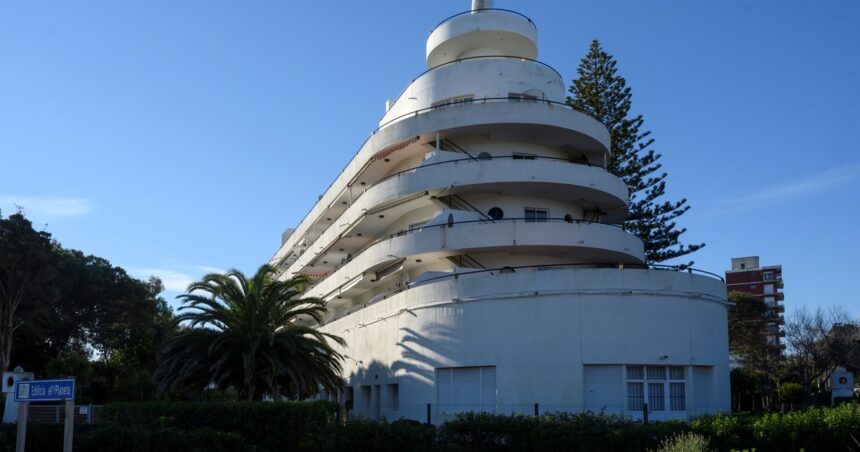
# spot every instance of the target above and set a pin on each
(748, 276)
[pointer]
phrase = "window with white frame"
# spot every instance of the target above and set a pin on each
(534, 215)
(767, 276)
(468, 99)
(662, 387)
(768, 288)
(521, 97)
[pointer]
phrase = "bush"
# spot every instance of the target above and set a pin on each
(313, 426)
(684, 442)
(270, 425)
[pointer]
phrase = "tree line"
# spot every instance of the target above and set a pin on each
(793, 371)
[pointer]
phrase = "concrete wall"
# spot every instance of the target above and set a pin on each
(539, 329)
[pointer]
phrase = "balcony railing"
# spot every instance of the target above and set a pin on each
(460, 60)
(514, 269)
(473, 11)
(457, 162)
(452, 225)
(485, 100)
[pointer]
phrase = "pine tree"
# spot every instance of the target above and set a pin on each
(599, 91)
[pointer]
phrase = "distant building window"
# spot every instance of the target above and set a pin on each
(770, 301)
(536, 215)
(767, 276)
(743, 266)
(768, 288)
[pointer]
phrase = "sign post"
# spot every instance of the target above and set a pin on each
(45, 391)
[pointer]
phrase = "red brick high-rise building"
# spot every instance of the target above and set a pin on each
(748, 276)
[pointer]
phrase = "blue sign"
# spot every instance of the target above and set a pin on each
(44, 390)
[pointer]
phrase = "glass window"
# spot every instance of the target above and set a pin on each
(656, 373)
(768, 288)
(677, 400)
(536, 215)
(656, 398)
(650, 384)
(635, 395)
(767, 276)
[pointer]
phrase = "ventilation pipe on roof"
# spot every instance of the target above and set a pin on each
(481, 4)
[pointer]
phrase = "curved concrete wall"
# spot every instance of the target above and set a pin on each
(541, 330)
(594, 240)
(496, 32)
(479, 78)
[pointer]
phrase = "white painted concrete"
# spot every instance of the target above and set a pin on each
(440, 305)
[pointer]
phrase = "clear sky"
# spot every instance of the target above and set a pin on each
(174, 138)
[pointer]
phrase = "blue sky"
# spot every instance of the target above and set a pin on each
(176, 138)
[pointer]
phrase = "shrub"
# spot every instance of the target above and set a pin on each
(271, 425)
(684, 442)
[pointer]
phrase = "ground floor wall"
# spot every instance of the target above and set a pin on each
(605, 340)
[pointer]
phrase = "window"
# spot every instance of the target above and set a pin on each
(521, 97)
(533, 215)
(768, 288)
(770, 301)
(656, 385)
(524, 156)
(454, 101)
(767, 276)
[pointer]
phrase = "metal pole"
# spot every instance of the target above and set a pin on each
(21, 437)
(645, 412)
(68, 431)
(429, 419)
(537, 409)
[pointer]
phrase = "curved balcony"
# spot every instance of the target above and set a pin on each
(550, 178)
(435, 84)
(573, 239)
(501, 29)
(542, 122)
(609, 278)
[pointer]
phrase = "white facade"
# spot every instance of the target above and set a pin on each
(471, 257)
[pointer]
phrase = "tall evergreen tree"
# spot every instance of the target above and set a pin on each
(599, 91)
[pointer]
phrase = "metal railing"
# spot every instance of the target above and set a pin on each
(456, 162)
(473, 160)
(484, 100)
(513, 269)
(472, 11)
(452, 224)
(460, 60)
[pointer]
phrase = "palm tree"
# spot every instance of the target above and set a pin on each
(252, 335)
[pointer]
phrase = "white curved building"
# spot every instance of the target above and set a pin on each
(471, 254)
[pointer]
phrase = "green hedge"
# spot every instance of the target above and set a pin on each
(274, 426)
(814, 429)
(314, 426)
